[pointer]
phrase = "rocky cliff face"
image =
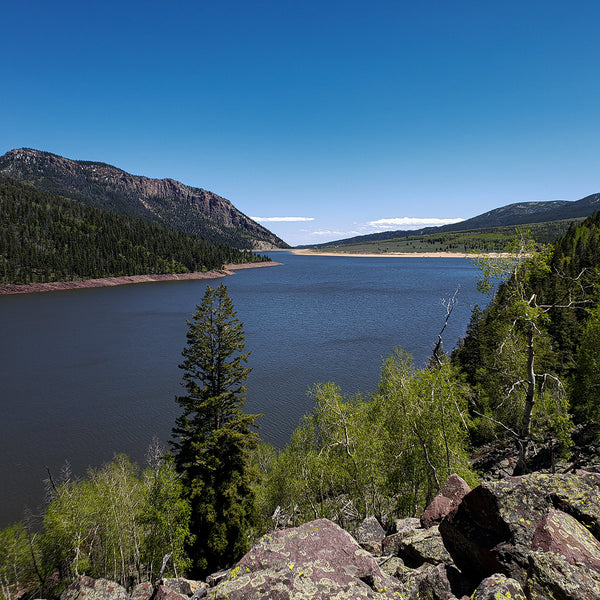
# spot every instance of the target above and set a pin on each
(165, 201)
(529, 537)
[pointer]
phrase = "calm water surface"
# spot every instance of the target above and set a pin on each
(87, 373)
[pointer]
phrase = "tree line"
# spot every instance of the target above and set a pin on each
(525, 374)
(47, 238)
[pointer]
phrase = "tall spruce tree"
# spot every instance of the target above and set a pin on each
(213, 438)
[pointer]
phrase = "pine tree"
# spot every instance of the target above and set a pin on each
(213, 438)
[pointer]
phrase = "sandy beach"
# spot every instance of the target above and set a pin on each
(31, 288)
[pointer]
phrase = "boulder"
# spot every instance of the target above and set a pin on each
(493, 529)
(434, 582)
(423, 546)
(499, 586)
(166, 593)
(142, 591)
(370, 534)
(86, 588)
(552, 576)
(562, 534)
(186, 587)
(407, 524)
(446, 501)
(404, 528)
(317, 560)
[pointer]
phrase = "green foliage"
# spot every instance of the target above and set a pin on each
(426, 424)
(213, 438)
(352, 457)
(117, 523)
(510, 355)
(17, 569)
(585, 388)
(46, 238)
(489, 239)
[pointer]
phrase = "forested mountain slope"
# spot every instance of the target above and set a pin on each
(163, 201)
(520, 213)
(47, 238)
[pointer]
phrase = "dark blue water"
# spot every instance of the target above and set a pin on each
(87, 373)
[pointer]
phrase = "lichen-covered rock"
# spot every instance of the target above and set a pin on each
(86, 588)
(499, 587)
(142, 591)
(447, 500)
(166, 593)
(317, 560)
(370, 530)
(431, 583)
(369, 535)
(423, 546)
(186, 587)
(404, 528)
(493, 528)
(551, 576)
(562, 534)
(407, 524)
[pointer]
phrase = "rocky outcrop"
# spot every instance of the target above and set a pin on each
(534, 537)
(530, 528)
(317, 560)
(165, 201)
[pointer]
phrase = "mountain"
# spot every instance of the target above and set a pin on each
(519, 213)
(46, 238)
(163, 201)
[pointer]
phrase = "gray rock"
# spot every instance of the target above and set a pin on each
(370, 530)
(552, 576)
(86, 588)
(499, 586)
(417, 547)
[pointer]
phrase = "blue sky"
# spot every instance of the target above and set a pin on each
(350, 117)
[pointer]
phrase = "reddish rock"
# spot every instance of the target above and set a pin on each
(436, 510)
(166, 593)
(446, 501)
(562, 534)
(492, 531)
(317, 560)
(142, 591)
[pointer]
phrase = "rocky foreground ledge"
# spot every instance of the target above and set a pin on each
(533, 537)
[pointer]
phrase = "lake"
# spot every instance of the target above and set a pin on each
(87, 373)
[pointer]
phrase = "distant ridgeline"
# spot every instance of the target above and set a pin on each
(48, 238)
(488, 232)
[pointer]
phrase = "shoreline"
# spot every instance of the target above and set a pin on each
(308, 252)
(56, 286)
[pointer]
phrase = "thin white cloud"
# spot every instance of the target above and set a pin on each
(412, 222)
(281, 219)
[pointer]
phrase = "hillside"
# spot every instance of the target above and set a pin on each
(47, 238)
(163, 201)
(512, 215)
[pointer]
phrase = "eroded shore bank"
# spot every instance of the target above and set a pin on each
(32, 288)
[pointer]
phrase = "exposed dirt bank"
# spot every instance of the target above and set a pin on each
(127, 280)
